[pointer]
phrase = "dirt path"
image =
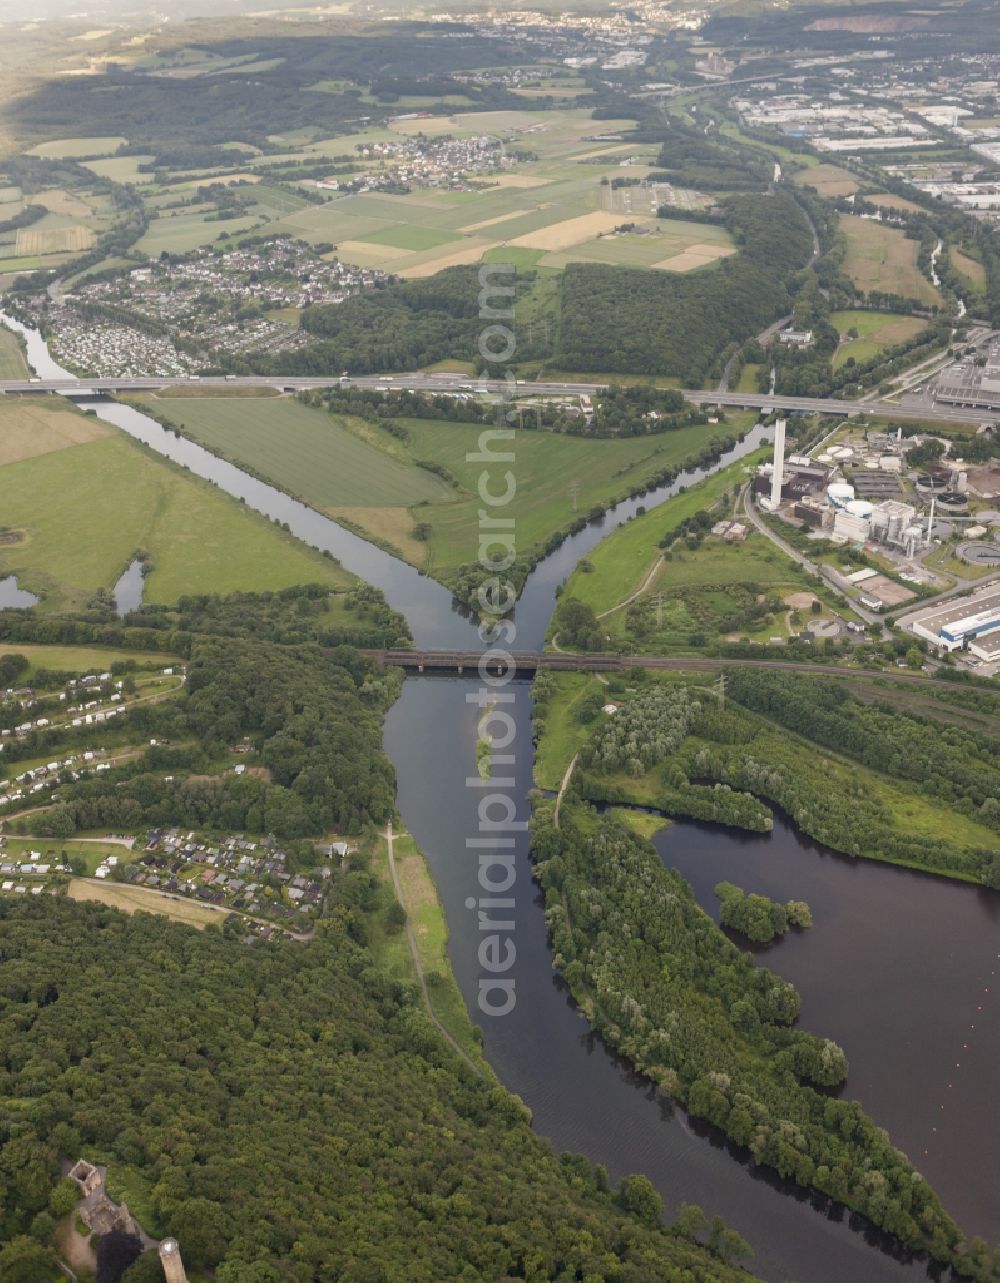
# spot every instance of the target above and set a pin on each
(390, 840)
(638, 592)
(562, 789)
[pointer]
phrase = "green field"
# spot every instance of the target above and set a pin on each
(407, 236)
(12, 362)
(970, 268)
(876, 331)
(621, 562)
(307, 452)
(545, 467)
(361, 474)
(187, 232)
(85, 510)
(882, 258)
(80, 659)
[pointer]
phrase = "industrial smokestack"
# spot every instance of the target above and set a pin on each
(779, 463)
(930, 517)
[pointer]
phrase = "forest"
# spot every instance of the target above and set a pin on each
(159, 110)
(958, 765)
(667, 989)
(306, 613)
(314, 719)
(650, 322)
(288, 1113)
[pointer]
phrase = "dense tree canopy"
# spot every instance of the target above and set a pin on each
(289, 1113)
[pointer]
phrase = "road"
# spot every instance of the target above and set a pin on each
(421, 382)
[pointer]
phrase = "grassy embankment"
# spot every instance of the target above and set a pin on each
(12, 362)
(430, 931)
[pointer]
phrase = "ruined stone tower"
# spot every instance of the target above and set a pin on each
(173, 1266)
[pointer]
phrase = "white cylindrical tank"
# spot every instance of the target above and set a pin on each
(860, 508)
(840, 494)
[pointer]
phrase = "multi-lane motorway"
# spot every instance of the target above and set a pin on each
(420, 382)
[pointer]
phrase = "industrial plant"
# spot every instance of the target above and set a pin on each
(897, 524)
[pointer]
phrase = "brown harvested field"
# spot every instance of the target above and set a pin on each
(394, 525)
(29, 428)
(829, 180)
(139, 899)
(694, 256)
(425, 125)
(503, 218)
(968, 267)
(471, 254)
(350, 251)
(571, 231)
(33, 241)
(605, 151)
(882, 258)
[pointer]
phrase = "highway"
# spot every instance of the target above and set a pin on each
(420, 382)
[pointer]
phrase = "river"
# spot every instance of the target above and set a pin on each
(582, 1097)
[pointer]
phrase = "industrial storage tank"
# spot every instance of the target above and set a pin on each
(860, 508)
(840, 494)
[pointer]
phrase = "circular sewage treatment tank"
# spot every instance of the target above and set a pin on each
(980, 554)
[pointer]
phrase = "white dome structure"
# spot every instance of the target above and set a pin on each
(840, 494)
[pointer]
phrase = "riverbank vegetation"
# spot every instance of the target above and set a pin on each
(856, 789)
(665, 987)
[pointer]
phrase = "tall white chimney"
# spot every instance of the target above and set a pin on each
(930, 518)
(779, 463)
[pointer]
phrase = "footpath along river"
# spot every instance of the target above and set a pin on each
(892, 968)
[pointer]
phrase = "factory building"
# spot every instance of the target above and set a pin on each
(975, 388)
(973, 622)
(892, 522)
(850, 527)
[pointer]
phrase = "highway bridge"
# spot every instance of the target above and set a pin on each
(420, 382)
(530, 662)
